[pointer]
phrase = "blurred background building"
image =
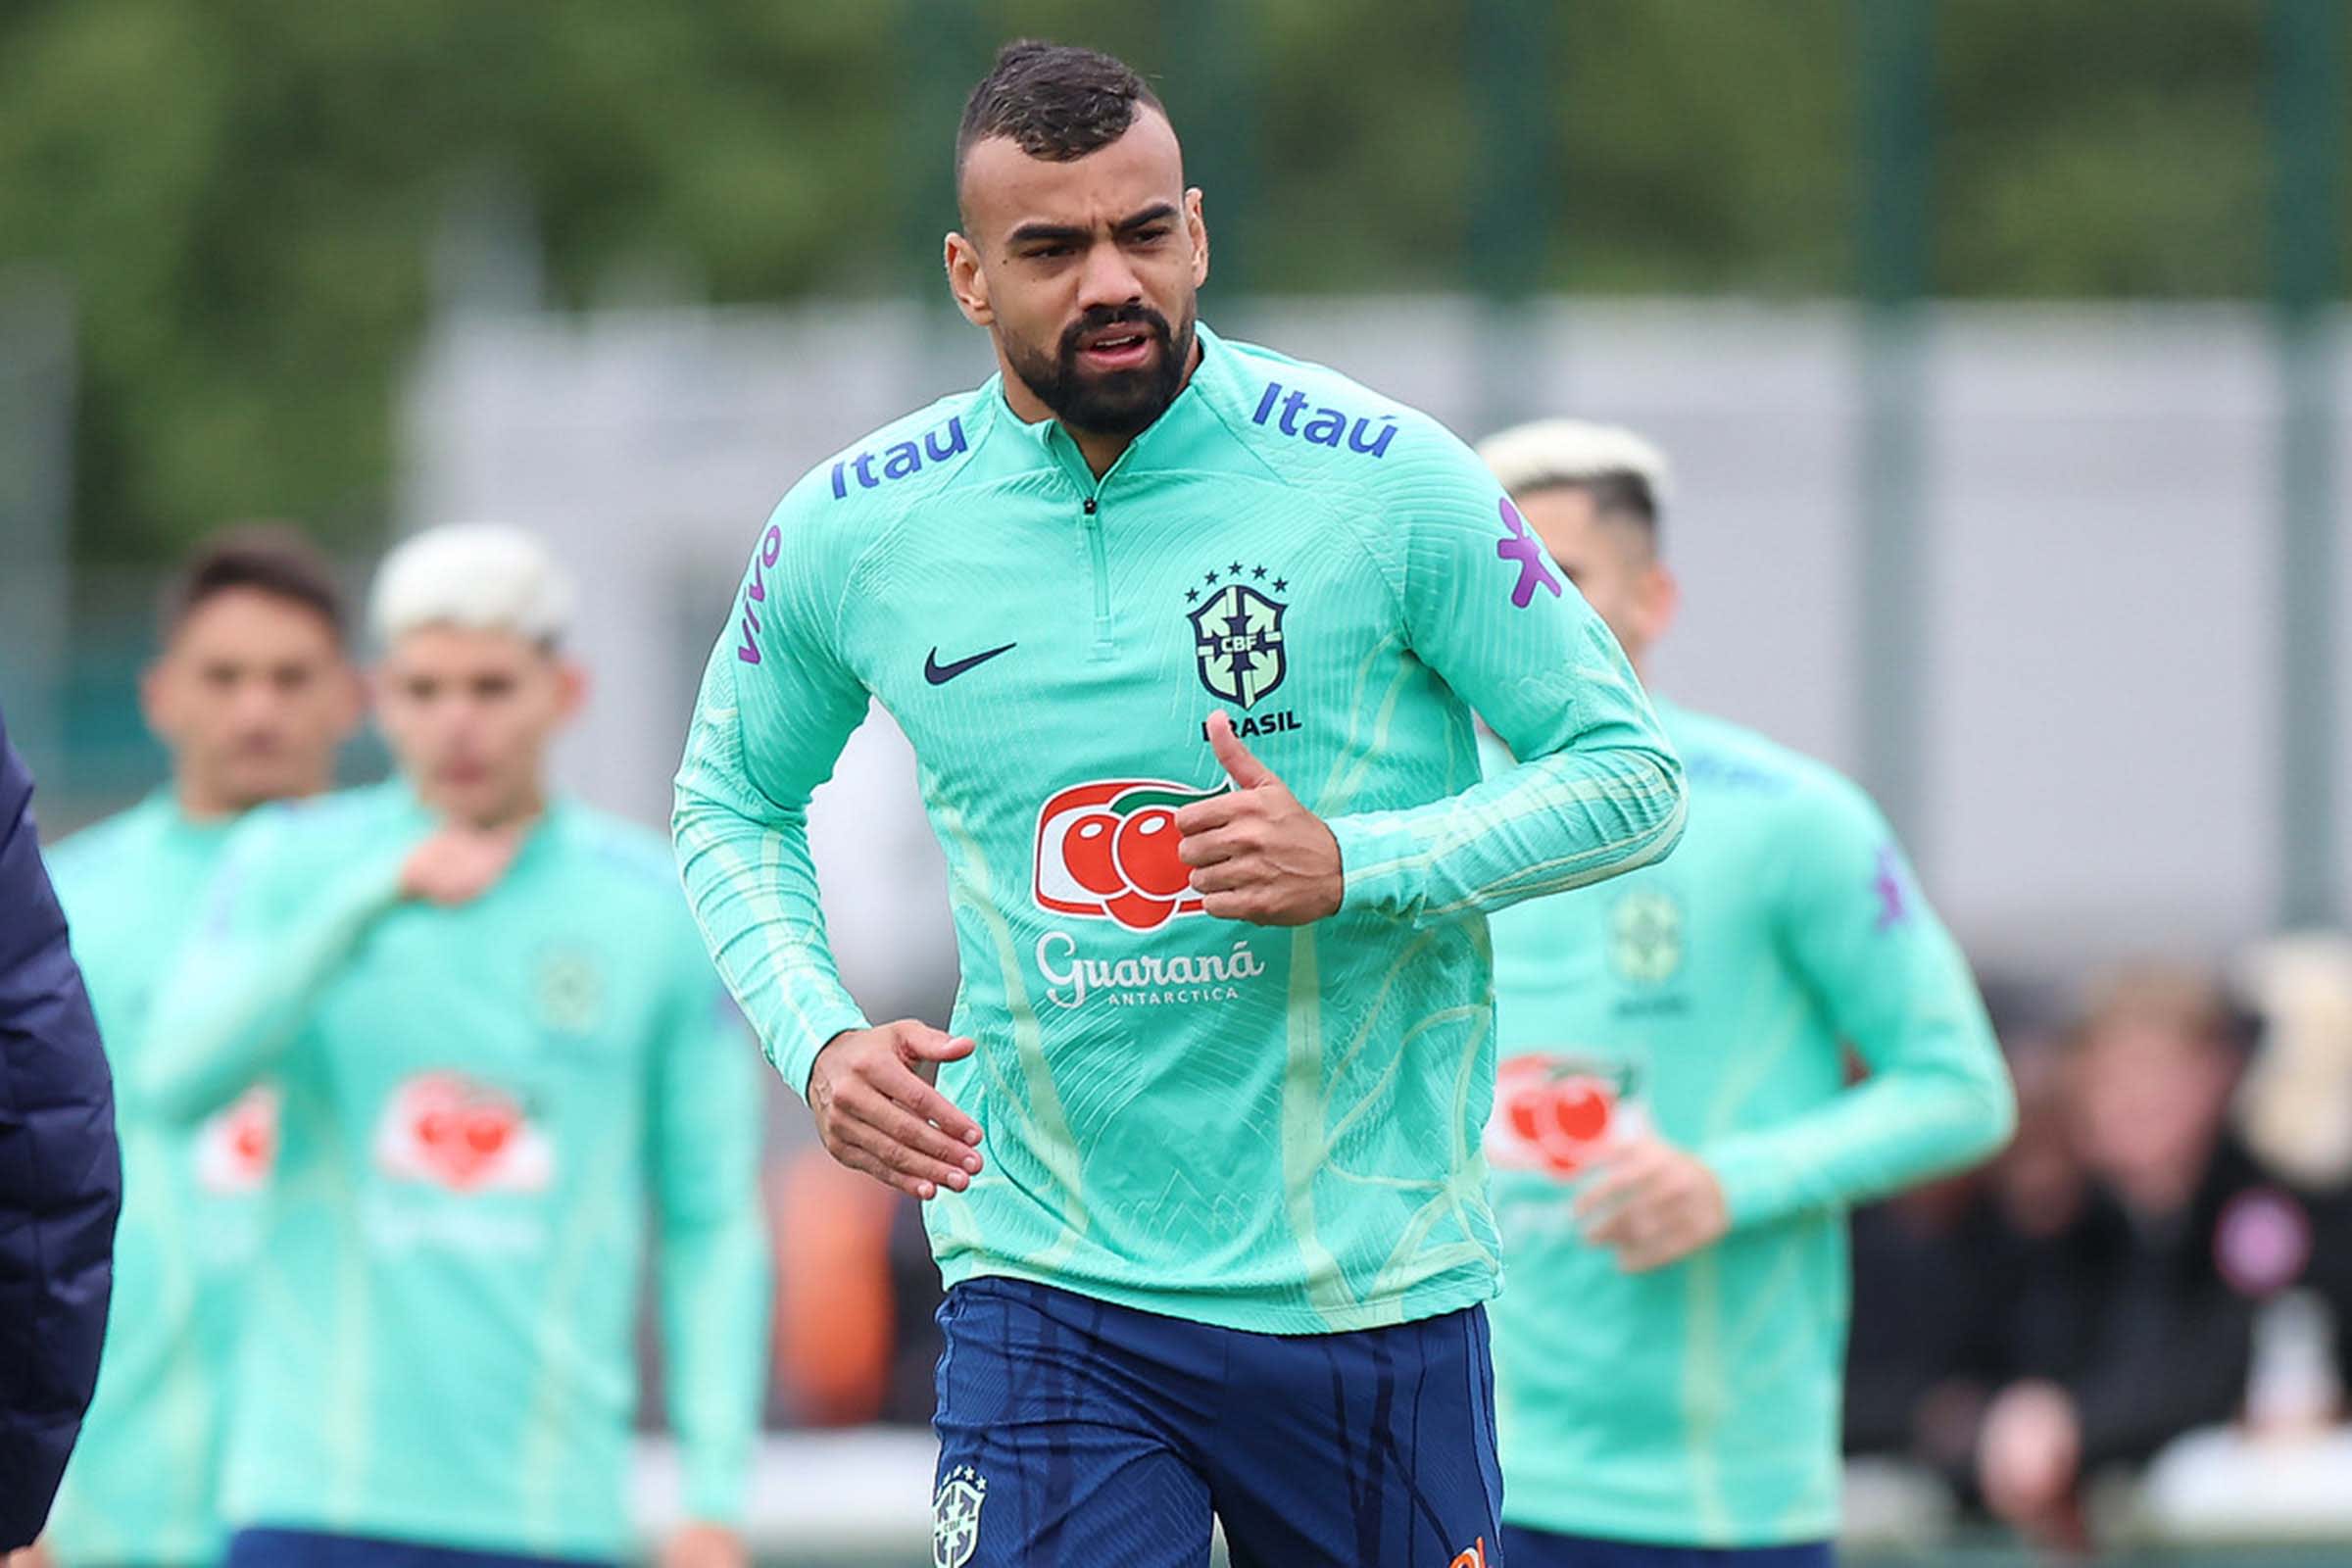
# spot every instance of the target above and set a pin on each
(1998, 343)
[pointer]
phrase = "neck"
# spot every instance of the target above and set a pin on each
(200, 801)
(524, 808)
(1099, 449)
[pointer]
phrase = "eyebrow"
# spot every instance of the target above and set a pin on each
(1037, 232)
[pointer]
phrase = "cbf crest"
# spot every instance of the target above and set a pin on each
(956, 1517)
(1237, 636)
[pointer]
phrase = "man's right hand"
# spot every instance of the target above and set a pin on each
(458, 863)
(870, 1092)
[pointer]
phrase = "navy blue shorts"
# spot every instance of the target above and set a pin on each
(1540, 1548)
(1076, 1433)
(315, 1549)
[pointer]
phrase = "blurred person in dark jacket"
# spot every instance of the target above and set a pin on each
(60, 1179)
(1938, 1269)
(2132, 1323)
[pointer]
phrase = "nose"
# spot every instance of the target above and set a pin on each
(1108, 281)
(256, 706)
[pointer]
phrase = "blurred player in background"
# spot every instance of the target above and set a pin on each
(1202, 1160)
(1675, 1139)
(251, 694)
(497, 1040)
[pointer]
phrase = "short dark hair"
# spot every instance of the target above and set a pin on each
(268, 558)
(1055, 101)
(1626, 496)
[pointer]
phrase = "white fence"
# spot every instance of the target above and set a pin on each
(2100, 734)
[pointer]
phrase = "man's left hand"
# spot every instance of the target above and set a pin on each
(1653, 1202)
(1256, 853)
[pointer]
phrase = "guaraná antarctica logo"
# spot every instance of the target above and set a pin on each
(236, 1147)
(1553, 1112)
(1107, 851)
(452, 1132)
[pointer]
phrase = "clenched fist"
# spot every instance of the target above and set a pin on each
(458, 863)
(1256, 853)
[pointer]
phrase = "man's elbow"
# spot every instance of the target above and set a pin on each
(1661, 803)
(1996, 1120)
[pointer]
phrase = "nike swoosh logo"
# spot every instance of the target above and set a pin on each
(939, 674)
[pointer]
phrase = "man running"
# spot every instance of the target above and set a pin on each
(1186, 636)
(1674, 1138)
(251, 694)
(499, 1044)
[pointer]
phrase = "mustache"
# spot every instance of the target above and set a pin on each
(1099, 317)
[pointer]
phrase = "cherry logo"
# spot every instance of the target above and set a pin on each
(448, 1130)
(236, 1149)
(1108, 850)
(1550, 1115)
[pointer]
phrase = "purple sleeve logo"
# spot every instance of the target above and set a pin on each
(754, 594)
(1523, 547)
(1893, 906)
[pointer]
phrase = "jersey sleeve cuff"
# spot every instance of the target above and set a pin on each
(794, 1049)
(1756, 1187)
(714, 1492)
(1381, 865)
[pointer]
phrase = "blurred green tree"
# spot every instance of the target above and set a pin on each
(248, 198)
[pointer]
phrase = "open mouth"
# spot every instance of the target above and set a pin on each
(1119, 347)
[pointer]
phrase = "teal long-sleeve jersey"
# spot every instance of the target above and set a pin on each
(1714, 999)
(143, 1485)
(480, 1107)
(1267, 1129)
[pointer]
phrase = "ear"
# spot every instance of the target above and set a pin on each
(156, 705)
(1658, 600)
(967, 282)
(572, 688)
(1196, 226)
(352, 697)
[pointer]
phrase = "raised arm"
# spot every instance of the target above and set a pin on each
(279, 920)
(1598, 789)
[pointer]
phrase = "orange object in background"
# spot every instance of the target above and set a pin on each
(836, 1313)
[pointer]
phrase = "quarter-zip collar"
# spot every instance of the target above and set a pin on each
(1171, 441)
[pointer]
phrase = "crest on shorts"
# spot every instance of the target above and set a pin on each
(956, 1517)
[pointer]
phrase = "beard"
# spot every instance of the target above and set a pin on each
(1119, 402)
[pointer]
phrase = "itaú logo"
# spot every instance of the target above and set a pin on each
(1108, 850)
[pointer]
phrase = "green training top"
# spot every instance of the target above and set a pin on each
(1269, 1129)
(1712, 999)
(480, 1105)
(144, 1480)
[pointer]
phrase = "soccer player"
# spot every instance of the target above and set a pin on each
(1185, 635)
(498, 1043)
(1675, 1138)
(251, 695)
